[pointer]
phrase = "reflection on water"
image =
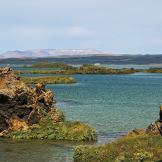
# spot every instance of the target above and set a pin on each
(104, 137)
(37, 150)
(34, 151)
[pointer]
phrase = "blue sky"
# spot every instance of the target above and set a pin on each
(115, 26)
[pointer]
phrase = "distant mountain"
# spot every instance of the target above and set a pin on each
(77, 56)
(94, 59)
(50, 53)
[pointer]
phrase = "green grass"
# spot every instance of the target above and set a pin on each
(50, 65)
(154, 70)
(84, 69)
(49, 79)
(126, 149)
(47, 129)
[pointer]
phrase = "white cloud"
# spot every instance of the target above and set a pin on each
(78, 31)
(29, 36)
(105, 24)
(32, 31)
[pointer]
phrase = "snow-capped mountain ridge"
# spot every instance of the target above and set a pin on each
(51, 53)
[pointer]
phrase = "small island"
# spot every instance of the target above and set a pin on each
(68, 70)
(30, 113)
(49, 80)
(62, 68)
(56, 65)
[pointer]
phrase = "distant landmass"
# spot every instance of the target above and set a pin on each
(77, 56)
(51, 53)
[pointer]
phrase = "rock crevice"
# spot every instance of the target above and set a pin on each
(22, 105)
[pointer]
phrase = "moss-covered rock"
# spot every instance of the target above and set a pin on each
(47, 129)
(29, 113)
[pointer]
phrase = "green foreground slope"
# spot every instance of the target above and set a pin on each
(126, 149)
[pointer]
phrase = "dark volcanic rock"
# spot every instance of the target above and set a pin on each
(154, 128)
(21, 105)
(28, 113)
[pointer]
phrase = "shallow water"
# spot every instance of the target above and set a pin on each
(133, 66)
(112, 104)
(34, 151)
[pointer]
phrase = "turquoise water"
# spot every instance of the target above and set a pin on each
(19, 65)
(112, 104)
(133, 66)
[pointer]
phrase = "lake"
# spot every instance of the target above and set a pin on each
(112, 104)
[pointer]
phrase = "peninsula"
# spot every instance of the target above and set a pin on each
(30, 113)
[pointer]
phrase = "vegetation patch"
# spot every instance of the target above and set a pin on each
(50, 65)
(84, 69)
(154, 70)
(126, 149)
(47, 129)
(49, 80)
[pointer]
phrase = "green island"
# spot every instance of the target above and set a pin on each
(153, 70)
(49, 65)
(84, 69)
(49, 80)
(30, 113)
(61, 68)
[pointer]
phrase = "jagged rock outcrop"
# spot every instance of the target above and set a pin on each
(154, 128)
(22, 105)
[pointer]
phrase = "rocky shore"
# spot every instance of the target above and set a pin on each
(138, 145)
(27, 112)
(153, 129)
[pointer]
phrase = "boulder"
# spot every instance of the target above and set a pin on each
(154, 128)
(22, 105)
